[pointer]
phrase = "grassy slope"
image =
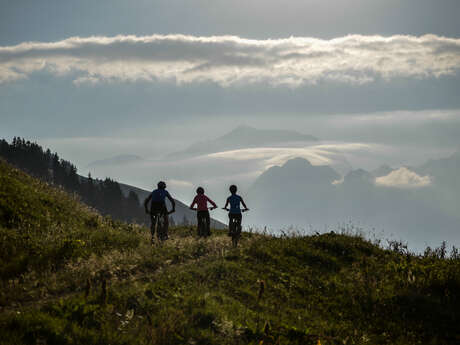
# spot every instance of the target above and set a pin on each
(69, 276)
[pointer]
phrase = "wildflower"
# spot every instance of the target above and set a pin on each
(129, 314)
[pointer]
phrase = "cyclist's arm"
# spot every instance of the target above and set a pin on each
(244, 205)
(226, 203)
(146, 203)
(212, 202)
(193, 203)
(173, 203)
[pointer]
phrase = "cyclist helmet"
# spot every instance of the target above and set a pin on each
(233, 189)
(200, 190)
(161, 185)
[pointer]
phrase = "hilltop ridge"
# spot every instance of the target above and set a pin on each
(71, 276)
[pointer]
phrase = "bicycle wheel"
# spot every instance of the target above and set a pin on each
(153, 227)
(200, 227)
(162, 228)
(237, 233)
(231, 227)
(235, 239)
(234, 232)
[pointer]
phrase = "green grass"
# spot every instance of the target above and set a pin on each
(70, 276)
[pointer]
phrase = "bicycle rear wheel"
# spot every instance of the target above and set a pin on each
(201, 228)
(162, 228)
(154, 217)
(236, 232)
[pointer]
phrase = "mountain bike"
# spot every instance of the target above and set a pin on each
(159, 224)
(234, 226)
(202, 226)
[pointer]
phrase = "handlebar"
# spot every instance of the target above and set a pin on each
(167, 212)
(243, 210)
(209, 208)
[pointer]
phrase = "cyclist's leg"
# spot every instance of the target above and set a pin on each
(238, 224)
(163, 229)
(166, 225)
(236, 229)
(230, 224)
(155, 210)
(153, 219)
(200, 223)
(207, 219)
(160, 227)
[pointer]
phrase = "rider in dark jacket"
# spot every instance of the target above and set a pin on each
(158, 209)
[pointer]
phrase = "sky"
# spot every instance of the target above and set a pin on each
(377, 81)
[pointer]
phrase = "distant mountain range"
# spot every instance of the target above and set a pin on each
(243, 137)
(418, 205)
(382, 170)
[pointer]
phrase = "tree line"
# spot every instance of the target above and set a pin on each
(105, 196)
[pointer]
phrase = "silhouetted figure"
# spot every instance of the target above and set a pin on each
(202, 214)
(234, 214)
(158, 211)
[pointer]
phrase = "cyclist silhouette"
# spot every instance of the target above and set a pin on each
(202, 215)
(234, 214)
(158, 212)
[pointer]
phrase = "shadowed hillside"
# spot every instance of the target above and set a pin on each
(71, 276)
(120, 201)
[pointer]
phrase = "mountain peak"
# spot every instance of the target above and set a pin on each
(295, 173)
(297, 163)
(243, 128)
(382, 170)
(359, 176)
(244, 136)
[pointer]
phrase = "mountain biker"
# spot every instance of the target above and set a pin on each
(201, 200)
(235, 211)
(158, 209)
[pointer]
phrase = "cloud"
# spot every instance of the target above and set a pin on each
(403, 117)
(323, 154)
(403, 178)
(231, 60)
(270, 156)
(179, 183)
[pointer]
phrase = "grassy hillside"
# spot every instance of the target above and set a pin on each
(69, 276)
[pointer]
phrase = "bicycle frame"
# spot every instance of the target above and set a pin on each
(202, 226)
(159, 225)
(235, 228)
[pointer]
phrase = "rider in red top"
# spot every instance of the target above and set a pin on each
(202, 214)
